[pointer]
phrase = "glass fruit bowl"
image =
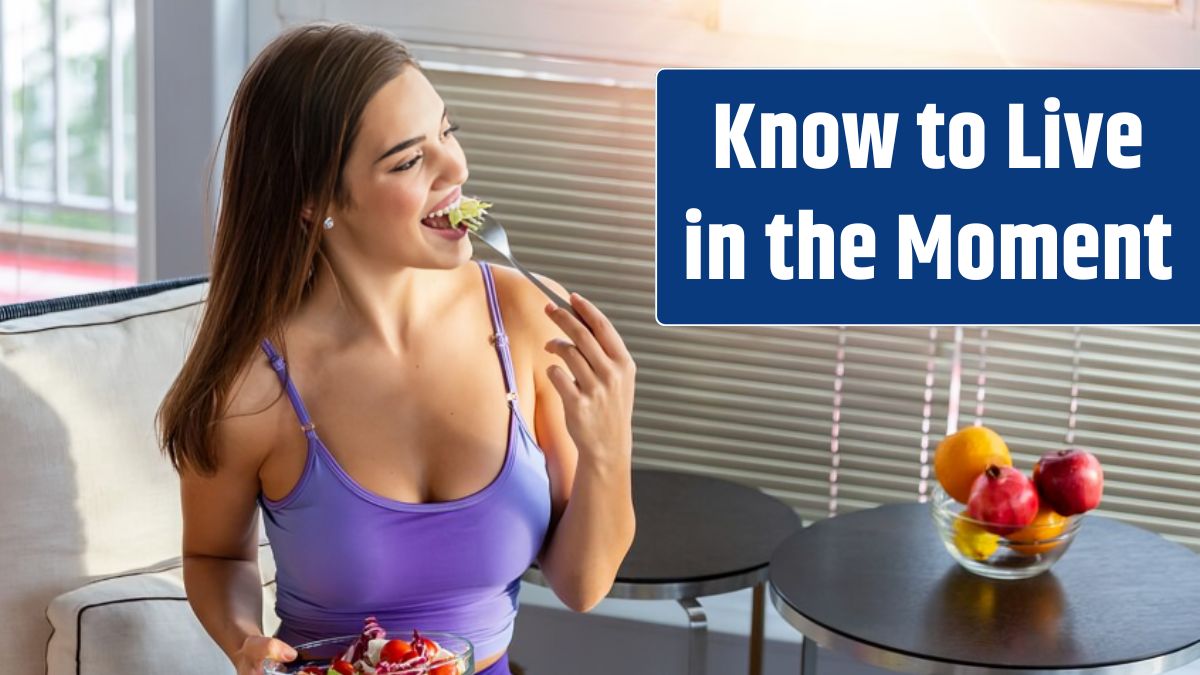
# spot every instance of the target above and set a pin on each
(1014, 555)
(322, 652)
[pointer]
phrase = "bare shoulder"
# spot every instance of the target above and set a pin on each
(254, 416)
(219, 509)
(523, 305)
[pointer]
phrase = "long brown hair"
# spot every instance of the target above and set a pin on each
(291, 126)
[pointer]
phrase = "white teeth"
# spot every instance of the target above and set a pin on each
(445, 211)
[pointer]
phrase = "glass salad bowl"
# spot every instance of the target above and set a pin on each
(317, 657)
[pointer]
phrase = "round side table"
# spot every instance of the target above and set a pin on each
(879, 585)
(699, 536)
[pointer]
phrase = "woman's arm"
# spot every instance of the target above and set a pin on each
(220, 545)
(583, 419)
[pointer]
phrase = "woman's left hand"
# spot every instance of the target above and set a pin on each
(597, 393)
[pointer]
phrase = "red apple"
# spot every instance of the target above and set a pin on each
(1003, 499)
(1070, 481)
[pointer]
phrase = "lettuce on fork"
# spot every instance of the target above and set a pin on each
(467, 211)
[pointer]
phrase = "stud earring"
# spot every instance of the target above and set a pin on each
(329, 223)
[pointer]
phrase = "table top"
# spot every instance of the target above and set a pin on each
(880, 584)
(691, 528)
(697, 536)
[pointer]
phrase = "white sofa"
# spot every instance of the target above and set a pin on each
(89, 508)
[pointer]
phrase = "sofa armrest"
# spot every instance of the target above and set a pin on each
(139, 622)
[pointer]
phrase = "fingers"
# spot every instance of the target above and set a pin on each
(281, 651)
(563, 383)
(580, 335)
(258, 649)
(606, 334)
(585, 377)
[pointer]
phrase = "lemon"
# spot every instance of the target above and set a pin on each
(973, 541)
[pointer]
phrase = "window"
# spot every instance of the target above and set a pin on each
(67, 147)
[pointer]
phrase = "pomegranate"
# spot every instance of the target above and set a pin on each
(1003, 500)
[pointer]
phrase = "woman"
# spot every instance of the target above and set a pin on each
(443, 426)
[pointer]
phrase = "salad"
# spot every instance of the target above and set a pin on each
(466, 212)
(373, 653)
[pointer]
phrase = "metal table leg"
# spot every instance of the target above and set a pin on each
(757, 619)
(697, 636)
(808, 657)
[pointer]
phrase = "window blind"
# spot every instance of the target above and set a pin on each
(1136, 393)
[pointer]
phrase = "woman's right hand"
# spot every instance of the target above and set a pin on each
(257, 648)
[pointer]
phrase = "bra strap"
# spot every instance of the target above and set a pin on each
(280, 367)
(500, 338)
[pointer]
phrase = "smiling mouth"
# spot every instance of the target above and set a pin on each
(440, 219)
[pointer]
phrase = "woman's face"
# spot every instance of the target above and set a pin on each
(404, 164)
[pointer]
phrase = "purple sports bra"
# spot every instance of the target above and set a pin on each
(344, 553)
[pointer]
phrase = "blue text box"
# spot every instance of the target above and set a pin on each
(1164, 185)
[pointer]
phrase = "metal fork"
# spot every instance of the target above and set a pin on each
(488, 230)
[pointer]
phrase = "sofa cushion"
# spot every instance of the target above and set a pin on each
(139, 623)
(84, 491)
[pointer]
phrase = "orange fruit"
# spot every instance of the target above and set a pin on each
(1046, 525)
(961, 457)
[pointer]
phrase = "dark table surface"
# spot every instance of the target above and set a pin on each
(694, 528)
(882, 578)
